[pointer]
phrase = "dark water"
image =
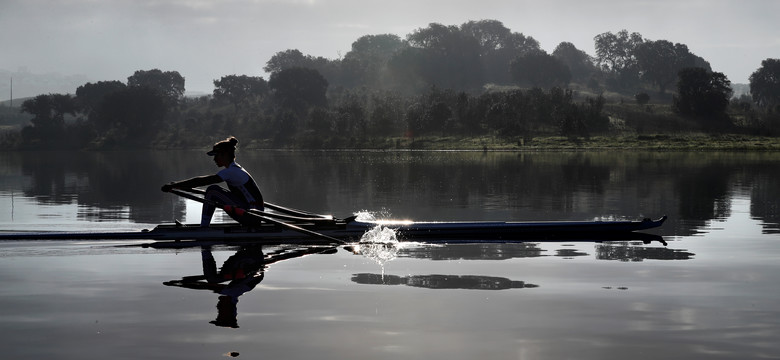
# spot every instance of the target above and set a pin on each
(710, 293)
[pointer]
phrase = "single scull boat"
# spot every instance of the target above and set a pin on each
(353, 230)
(285, 225)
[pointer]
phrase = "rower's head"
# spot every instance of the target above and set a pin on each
(224, 152)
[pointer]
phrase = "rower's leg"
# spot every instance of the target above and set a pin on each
(213, 193)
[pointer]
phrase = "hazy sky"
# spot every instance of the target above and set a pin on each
(206, 39)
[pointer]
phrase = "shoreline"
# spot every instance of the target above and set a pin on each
(658, 142)
(650, 142)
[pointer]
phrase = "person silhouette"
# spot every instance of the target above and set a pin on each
(242, 190)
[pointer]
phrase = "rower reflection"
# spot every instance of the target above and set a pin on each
(239, 274)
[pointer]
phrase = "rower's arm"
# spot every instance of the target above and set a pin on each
(197, 181)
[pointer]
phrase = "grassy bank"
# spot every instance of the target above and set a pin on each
(681, 142)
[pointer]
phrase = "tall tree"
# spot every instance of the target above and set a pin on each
(703, 95)
(292, 58)
(580, 63)
(49, 110)
(89, 96)
(660, 61)
(48, 122)
(490, 34)
(539, 69)
(498, 47)
(765, 84)
(298, 88)
(366, 63)
(452, 58)
(170, 84)
(239, 89)
(404, 70)
(286, 59)
(615, 54)
(133, 113)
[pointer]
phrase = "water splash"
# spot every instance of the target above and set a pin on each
(379, 243)
(372, 216)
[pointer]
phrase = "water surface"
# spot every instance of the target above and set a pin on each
(711, 292)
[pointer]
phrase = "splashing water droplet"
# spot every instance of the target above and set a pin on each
(380, 234)
(364, 216)
(379, 244)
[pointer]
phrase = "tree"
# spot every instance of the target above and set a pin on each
(285, 60)
(498, 47)
(48, 122)
(386, 114)
(404, 69)
(615, 54)
(451, 58)
(238, 89)
(170, 84)
(49, 110)
(765, 84)
(89, 96)
(350, 115)
(580, 63)
(490, 34)
(540, 70)
(133, 113)
(298, 88)
(703, 95)
(660, 61)
(365, 64)
(292, 58)
(438, 116)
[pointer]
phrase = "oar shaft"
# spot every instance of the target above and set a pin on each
(253, 216)
(281, 209)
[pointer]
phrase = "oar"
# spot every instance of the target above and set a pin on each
(281, 209)
(254, 216)
(287, 214)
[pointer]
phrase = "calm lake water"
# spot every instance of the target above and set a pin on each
(710, 293)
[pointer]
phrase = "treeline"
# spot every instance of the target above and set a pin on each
(476, 79)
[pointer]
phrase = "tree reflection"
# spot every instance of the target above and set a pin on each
(691, 188)
(466, 282)
(766, 187)
(486, 251)
(625, 251)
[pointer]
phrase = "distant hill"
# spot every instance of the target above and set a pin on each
(16, 103)
(27, 84)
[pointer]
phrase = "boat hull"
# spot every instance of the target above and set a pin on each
(352, 231)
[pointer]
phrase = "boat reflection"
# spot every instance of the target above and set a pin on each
(625, 247)
(467, 282)
(477, 251)
(239, 274)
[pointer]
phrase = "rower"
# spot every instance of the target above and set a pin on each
(242, 191)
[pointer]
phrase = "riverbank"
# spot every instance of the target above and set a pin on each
(658, 142)
(680, 142)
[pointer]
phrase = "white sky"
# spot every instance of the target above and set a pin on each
(206, 39)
